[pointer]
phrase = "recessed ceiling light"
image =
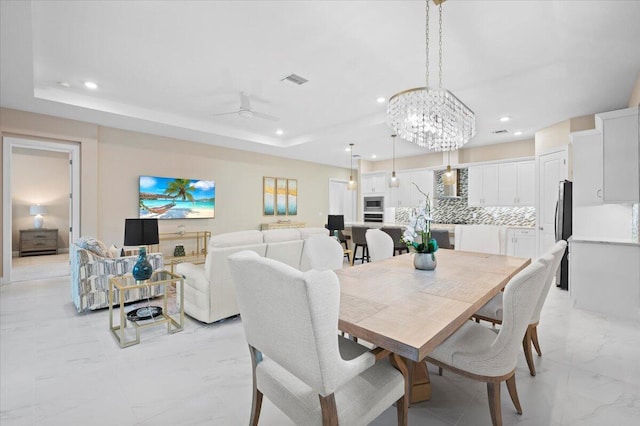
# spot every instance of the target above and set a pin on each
(518, 133)
(64, 84)
(373, 156)
(279, 132)
(380, 100)
(505, 118)
(348, 149)
(90, 85)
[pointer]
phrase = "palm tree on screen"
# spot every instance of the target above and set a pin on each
(180, 188)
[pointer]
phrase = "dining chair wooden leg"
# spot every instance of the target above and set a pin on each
(526, 345)
(402, 405)
(256, 401)
(329, 410)
(513, 393)
(493, 392)
(534, 338)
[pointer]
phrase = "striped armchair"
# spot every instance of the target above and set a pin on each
(90, 275)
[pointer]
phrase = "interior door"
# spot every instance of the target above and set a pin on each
(552, 168)
(341, 200)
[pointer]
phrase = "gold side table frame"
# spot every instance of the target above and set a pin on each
(127, 282)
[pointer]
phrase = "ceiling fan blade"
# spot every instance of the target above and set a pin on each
(224, 113)
(265, 116)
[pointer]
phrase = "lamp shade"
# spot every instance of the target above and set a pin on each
(37, 209)
(141, 232)
(335, 222)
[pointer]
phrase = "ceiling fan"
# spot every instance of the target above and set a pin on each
(245, 110)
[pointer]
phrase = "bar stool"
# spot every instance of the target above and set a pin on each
(396, 235)
(359, 240)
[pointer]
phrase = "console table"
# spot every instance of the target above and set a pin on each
(34, 242)
(281, 225)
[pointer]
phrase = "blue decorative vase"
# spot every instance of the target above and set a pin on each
(425, 261)
(142, 270)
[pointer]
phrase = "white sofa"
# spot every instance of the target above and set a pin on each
(209, 293)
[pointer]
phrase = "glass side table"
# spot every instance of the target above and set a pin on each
(174, 321)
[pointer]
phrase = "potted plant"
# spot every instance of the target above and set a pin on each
(417, 235)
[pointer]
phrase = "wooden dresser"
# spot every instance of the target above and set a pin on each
(34, 242)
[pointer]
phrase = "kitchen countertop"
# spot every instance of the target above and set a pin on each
(616, 241)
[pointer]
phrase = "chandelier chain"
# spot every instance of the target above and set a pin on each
(427, 37)
(440, 51)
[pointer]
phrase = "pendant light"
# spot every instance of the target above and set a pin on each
(352, 183)
(428, 116)
(394, 182)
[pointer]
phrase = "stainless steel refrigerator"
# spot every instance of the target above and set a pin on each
(564, 229)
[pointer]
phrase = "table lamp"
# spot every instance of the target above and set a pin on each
(335, 223)
(37, 210)
(141, 232)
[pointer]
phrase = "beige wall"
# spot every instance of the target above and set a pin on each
(112, 160)
(40, 177)
(497, 152)
(124, 156)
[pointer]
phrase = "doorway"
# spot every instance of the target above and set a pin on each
(341, 200)
(552, 168)
(13, 146)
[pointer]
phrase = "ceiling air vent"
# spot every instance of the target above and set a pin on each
(497, 132)
(295, 78)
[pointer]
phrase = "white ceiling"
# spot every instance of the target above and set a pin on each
(167, 67)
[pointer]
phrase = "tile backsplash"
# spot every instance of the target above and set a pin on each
(456, 210)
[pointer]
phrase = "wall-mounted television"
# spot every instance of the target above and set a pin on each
(176, 198)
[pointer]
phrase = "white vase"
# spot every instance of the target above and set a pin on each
(425, 261)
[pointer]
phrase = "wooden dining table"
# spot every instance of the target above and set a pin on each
(409, 312)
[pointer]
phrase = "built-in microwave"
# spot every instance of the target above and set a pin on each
(374, 204)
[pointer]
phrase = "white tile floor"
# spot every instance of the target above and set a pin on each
(58, 367)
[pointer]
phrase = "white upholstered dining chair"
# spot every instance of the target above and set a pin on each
(475, 351)
(299, 362)
(493, 310)
(322, 252)
(380, 244)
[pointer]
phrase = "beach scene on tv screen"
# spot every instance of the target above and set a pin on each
(171, 198)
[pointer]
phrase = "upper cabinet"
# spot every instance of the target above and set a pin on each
(620, 139)
(407, 195)
(516, 185)
(374, 183)
(587, 167)
(606, 160)
(483, 185)
(505, 184)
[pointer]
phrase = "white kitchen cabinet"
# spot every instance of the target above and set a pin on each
(407, 195)
(483, 185)
(587, 167)
(374, 183)
(620, 138)
(521, 242)
(516, 185)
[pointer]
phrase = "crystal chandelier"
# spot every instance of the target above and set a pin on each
(429, 117)
(352, 183)
(394, 182)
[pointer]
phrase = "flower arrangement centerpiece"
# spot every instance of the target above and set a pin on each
(417, 235)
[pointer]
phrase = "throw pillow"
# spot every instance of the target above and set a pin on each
(114, 252)
(93, 245)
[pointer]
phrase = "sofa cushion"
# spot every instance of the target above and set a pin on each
(94, 246)
(307, 232)
(240, 238)
(288, 252)
(278, 235)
